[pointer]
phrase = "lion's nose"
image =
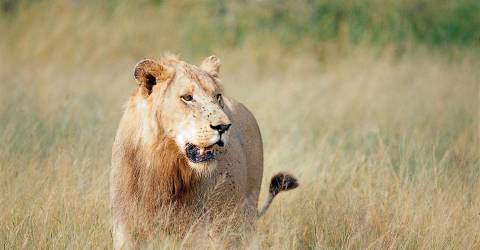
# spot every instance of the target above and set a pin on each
(221, 128)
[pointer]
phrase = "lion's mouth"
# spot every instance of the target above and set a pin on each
(198, 154)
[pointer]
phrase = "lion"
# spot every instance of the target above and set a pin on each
(182, 144)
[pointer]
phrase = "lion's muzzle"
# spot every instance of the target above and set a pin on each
(198, 154)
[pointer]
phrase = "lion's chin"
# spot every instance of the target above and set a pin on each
(203, 159)
(203, 168)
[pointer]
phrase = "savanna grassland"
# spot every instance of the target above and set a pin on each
(373, 106)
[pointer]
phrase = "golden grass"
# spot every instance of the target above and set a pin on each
(386, 148)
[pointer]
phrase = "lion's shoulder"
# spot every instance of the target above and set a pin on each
(241, 115)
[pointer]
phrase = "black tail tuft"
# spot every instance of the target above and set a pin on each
(282, 182)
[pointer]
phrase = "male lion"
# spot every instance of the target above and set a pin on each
(183, 145)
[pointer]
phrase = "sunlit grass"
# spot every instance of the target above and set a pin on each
(386, 147)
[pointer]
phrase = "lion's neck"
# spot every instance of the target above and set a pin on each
(160, 172)
(166, 172)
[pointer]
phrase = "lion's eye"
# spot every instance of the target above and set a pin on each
(220, 100)
(187, 98)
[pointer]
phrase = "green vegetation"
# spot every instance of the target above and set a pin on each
(362, 100)
(435, 23)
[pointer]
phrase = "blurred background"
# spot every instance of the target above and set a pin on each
(373, 104)
(317, 28)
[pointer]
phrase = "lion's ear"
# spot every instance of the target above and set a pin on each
(211, 65)
(149, 72)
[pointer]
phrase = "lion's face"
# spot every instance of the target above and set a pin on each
(185, 103)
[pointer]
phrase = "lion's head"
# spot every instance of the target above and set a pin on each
(183, 103)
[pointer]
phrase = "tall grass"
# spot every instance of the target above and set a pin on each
(386, 146)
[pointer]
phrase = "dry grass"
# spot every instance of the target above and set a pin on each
(386, 148)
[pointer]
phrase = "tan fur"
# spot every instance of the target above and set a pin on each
(150, 170)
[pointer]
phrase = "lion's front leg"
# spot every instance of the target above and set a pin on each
(121, 239)
(130, 236)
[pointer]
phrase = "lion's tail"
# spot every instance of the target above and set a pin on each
(280, 182)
